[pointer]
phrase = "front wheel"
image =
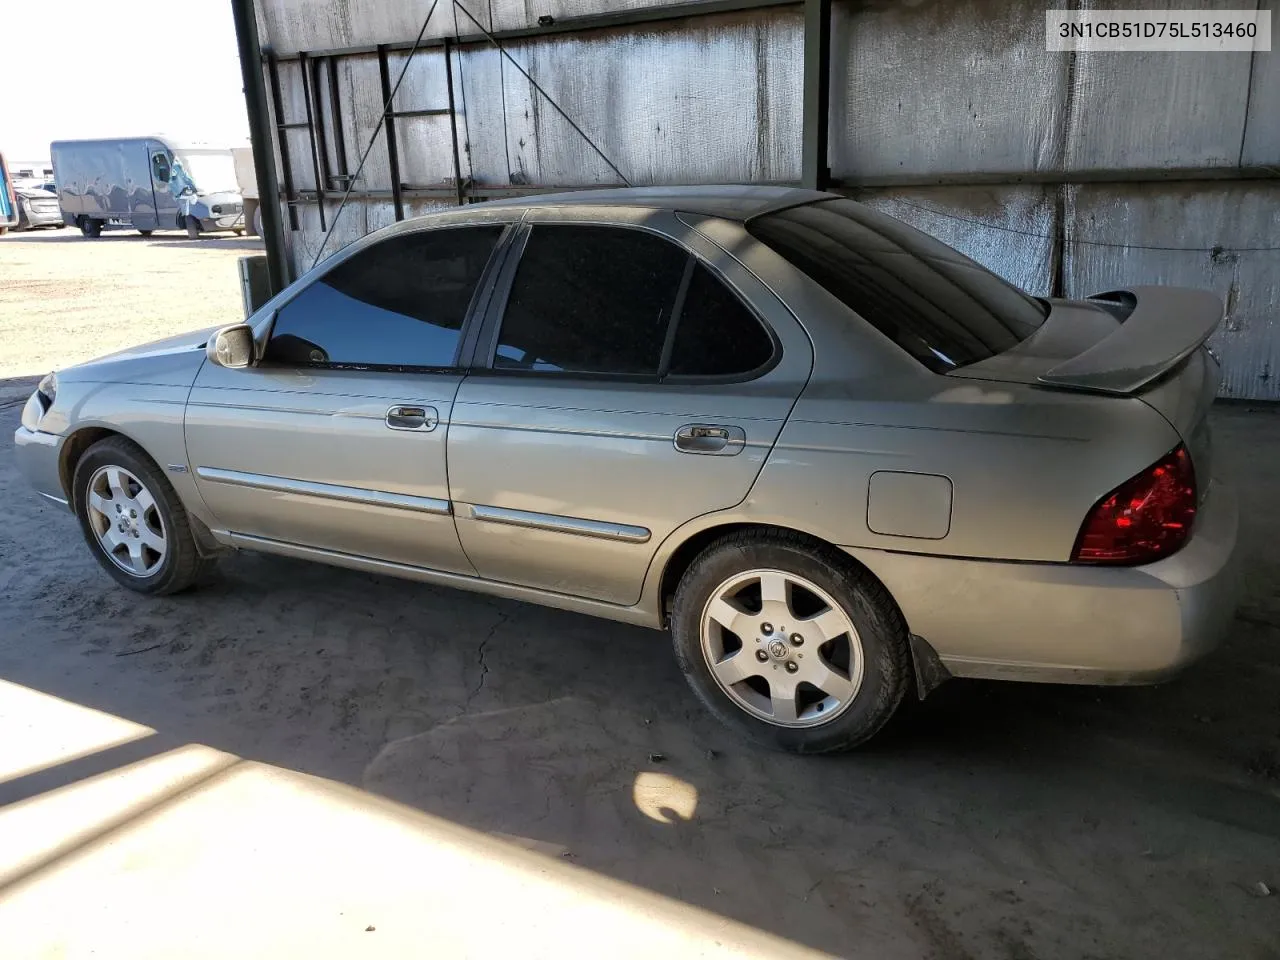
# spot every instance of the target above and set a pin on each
(193, 228)
(133, 521)
(91, 228)
(790, 643)
(145, 233)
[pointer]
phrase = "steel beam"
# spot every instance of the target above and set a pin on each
(335, 114)
(264, 161)
(623, 18)
(316, 156)
(389, 129)
(286, 168)
(410, 114)
(814, 172)
(453, 124)
(1058, 177)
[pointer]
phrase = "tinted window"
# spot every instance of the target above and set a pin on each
(716, 334)
(400, 303)
(590, 300)
(935, 303)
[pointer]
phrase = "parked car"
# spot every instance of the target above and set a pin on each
(146, 183)
(835, 457)
(37, 205)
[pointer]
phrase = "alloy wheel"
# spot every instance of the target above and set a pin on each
(126, 521)
(781, 648)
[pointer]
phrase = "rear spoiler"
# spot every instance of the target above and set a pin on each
(1166, 325)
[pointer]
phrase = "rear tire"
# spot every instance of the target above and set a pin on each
(193, 228)
(133, 521)
(827, 679)
(90, 228)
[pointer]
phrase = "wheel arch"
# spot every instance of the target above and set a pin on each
(75, 447)
(79, 442)
(678, 560)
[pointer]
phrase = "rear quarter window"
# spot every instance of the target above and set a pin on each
(932, 301)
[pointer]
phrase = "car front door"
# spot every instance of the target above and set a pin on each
(157, 208)
(635, 377)
(336, 440)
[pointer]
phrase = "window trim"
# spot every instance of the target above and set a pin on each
(490, 325)
(471, 320)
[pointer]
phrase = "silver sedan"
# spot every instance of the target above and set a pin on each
(838, 460)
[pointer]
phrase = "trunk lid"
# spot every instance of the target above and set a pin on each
(1144, 342)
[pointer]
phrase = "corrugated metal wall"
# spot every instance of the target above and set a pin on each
(1066, 173)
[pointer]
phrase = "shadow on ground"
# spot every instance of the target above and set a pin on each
(991, 820)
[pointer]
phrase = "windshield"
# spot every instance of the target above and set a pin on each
(935, 303)
(208, 172)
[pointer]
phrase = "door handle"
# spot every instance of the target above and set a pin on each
(711, 439)
(411, 417)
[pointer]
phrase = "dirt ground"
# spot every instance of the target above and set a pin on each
(993, 820)
(65, 299)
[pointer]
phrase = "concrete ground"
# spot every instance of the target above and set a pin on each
(993, 820)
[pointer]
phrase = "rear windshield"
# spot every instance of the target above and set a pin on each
(937, 304)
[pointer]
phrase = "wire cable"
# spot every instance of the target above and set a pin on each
(386, 108)
(537, 86)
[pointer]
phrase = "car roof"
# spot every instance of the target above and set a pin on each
(728, 201)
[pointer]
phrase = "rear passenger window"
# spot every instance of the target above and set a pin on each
(590, 299)
(717, 335)
(399, 303)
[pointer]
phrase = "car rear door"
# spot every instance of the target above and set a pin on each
(336, 441)
(595, 425)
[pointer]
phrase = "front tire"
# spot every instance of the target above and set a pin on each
(790, 643)
(133, 521)
(91, 228)
(193, 228)
(145, 233)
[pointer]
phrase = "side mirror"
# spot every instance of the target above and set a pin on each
(231, 347)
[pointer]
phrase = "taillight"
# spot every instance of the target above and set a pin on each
(1144, 519)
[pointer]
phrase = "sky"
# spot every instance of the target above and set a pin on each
(145, 67)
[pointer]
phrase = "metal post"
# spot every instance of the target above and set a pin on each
(282, 128)
(814, 172)
(389, 125)
(335, 108)
(264, 163)
(453, 121)
(304, 67)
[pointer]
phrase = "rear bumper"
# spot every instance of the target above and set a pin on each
(38, 455)
(1063, 623)
(45, 218)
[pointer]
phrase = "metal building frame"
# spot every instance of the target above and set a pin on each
(817, 70)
